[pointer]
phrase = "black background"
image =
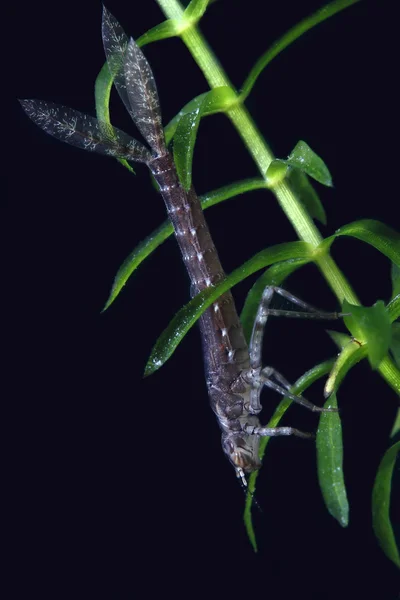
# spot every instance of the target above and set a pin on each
(121, 482)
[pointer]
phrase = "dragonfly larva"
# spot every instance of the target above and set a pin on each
(234, 373)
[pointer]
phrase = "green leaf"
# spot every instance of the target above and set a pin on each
(136, 257)
(381, 502)
(289, 37)
(351, 354)
(155, 239)
(396, 424)
(162, 31)
(102, 91)
(341, 339)
(307, 195)
(188, 315)
(307, 161)
(231, 191)
(383, 238)
(395, 343)
(393, 308)
(330, 464)
(184, 141)
(219, 99)
(298, 388)
(275, 275)
(370, 326)
(196, 9)
(395, 274)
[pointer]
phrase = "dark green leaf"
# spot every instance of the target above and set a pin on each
(330, 464)
(395, 273)
(307, 161)
(381, 503)
(307, 195)
(370, 326)
(383, 238)
(188, 315)
(299, 387)
(145, 248)
(275, 275)
(289, 37)
(102, 91)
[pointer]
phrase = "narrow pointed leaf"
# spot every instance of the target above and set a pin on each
(395, 274)
(307, 161)
(218, 99)
(137, 256)
(162, 31)
(396, 425)
(393, 308)
(383, 238)
(231, 191)
(84, 131)
(102, 92)
(159, 235)
(186, 131)
(307, 195)
(348, 357)
(299, 387)
(340, 339)
(330, 463)
(188, 315)
(196, 9)
(194, 104)
(184, 141)
(370, 326)
(381, 504)
(289, 37)
(275, 275)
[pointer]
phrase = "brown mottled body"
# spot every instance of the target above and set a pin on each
(226, 354)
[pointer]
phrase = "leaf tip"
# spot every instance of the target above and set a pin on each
(107, 305)
(152, 365)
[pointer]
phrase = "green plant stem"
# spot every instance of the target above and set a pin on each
(258, 148)
(263, 156)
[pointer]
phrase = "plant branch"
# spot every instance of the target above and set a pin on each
(263, 156)
(259, 149)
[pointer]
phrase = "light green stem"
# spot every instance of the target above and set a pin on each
(263, 156)
(258, 148)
